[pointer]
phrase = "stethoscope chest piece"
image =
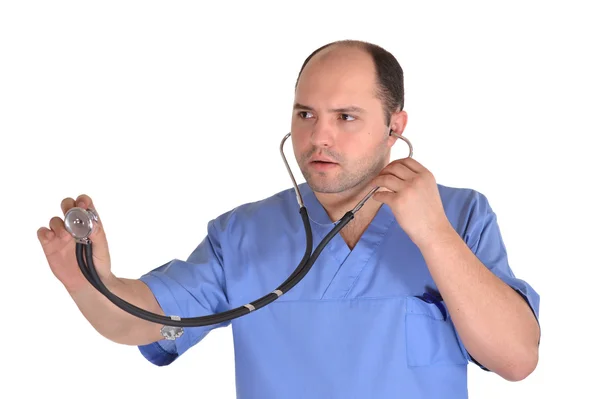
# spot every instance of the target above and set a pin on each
(79, 223)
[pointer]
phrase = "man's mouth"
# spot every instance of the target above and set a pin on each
(322, 165)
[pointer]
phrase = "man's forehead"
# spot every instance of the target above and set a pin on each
(349, 63)
(342, 72)
(341, 52)
(338, 92)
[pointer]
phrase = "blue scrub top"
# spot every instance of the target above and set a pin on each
(356, 326)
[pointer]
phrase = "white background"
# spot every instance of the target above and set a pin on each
(170, 113)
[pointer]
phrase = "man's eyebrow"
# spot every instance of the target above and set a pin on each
(301, 106)
(351, 108)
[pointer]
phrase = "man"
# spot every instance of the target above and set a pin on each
(398, 303)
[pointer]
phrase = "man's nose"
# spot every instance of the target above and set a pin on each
(322, 134)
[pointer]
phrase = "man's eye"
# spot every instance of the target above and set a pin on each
(347, 117)
(304, 114)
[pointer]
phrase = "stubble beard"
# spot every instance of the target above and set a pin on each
(334, 182)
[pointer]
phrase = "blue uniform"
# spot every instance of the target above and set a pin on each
(357, 325)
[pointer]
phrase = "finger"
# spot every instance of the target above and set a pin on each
(84, 201)
(399, 170)
(412, 164)
(98, 235)
(58, 227)
(67, 204)
(383, 196)
(388, 181)
(45, 235)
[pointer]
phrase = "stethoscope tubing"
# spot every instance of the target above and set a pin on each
(84, 254)
(86, 264)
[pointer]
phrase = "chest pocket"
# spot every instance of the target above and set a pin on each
(431, 339)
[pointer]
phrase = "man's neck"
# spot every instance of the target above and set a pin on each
(336, 205)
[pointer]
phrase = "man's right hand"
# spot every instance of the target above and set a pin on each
(59, 247)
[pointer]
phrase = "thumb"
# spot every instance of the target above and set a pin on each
(383, 196)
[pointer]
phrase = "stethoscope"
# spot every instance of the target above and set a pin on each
(79, 223)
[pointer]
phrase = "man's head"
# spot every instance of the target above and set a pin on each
(349, 94)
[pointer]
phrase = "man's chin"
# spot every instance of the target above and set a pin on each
(329, 185)
(325, 186)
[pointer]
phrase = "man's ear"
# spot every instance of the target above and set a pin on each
(398, 121)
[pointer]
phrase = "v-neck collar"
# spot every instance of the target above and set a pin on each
(320, 219)
(343, 264)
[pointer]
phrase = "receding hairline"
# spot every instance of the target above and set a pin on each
(389, 76)
(332, 47)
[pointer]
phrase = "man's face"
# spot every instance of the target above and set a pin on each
(339, 134)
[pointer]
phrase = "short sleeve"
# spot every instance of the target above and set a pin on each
(192, 288)
(482, 235)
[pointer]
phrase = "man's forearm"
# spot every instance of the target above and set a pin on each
(496, 325)
(114, 323)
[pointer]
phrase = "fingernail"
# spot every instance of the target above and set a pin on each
(81, 204)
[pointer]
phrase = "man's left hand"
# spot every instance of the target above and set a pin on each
(411, 192)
